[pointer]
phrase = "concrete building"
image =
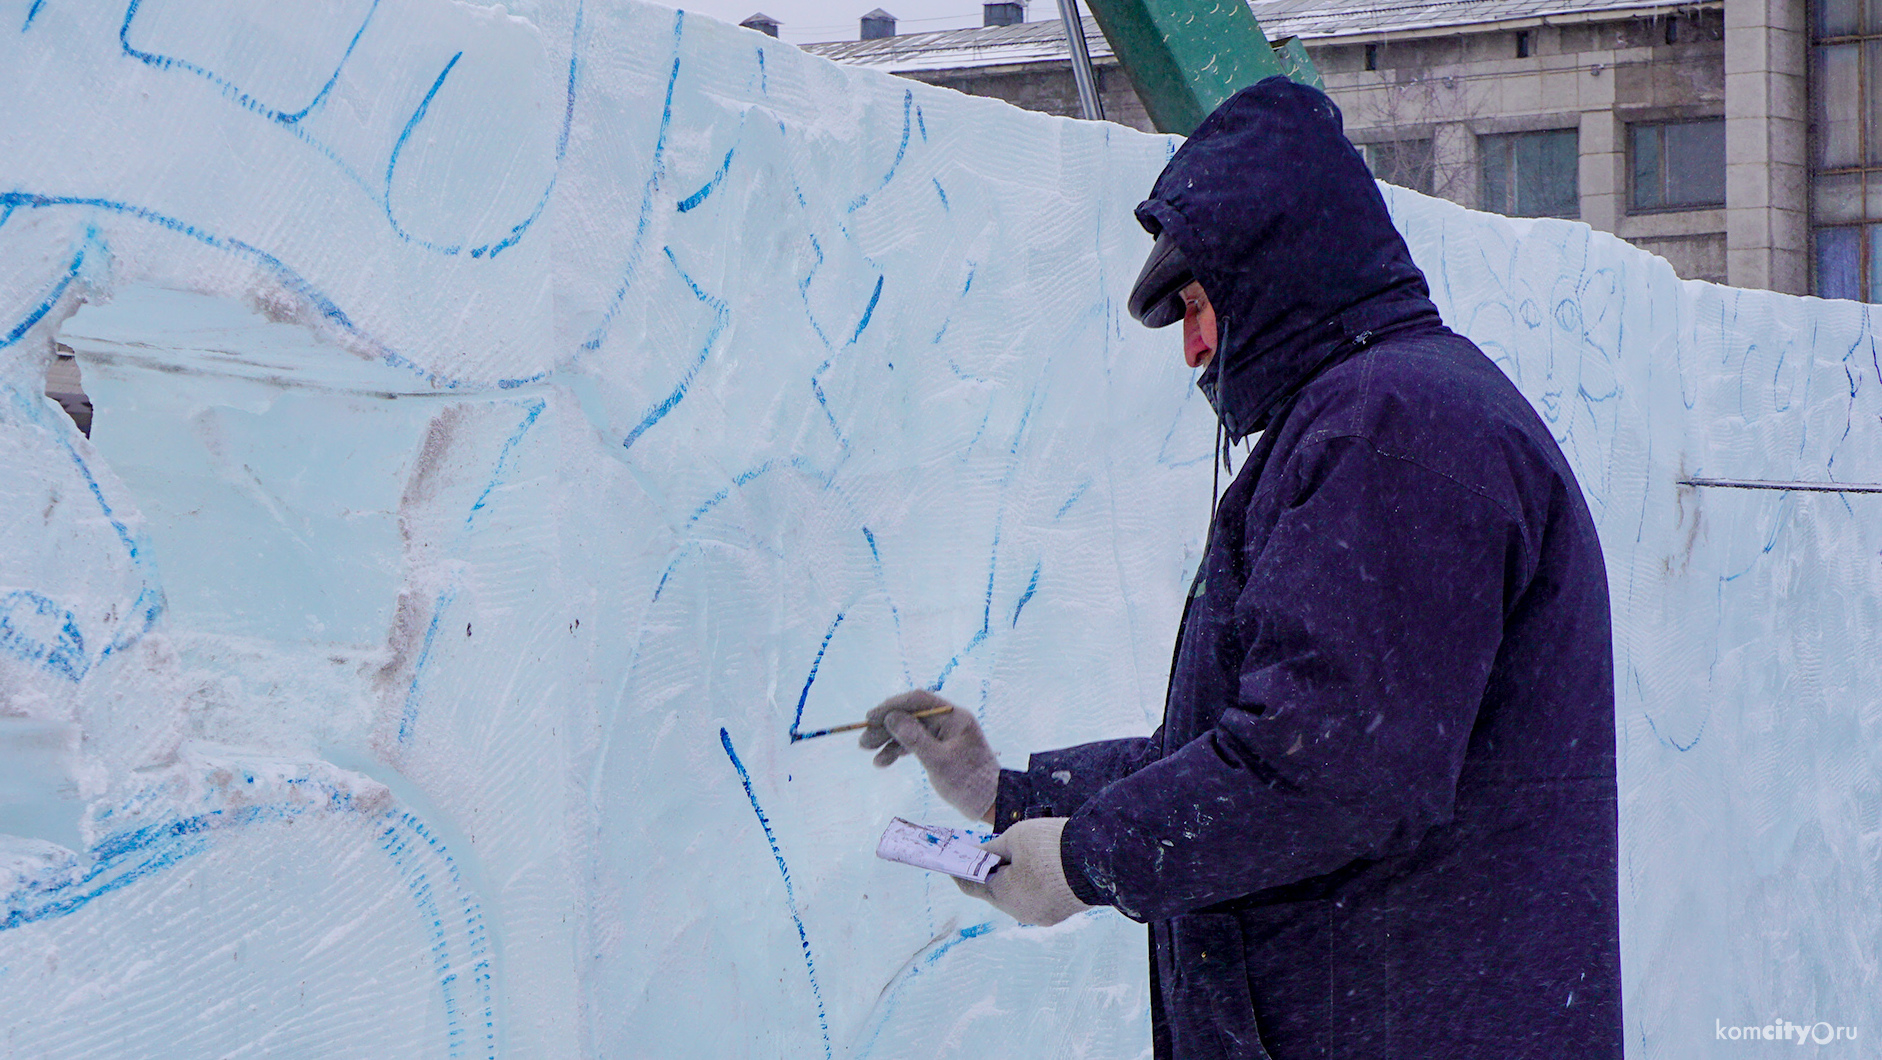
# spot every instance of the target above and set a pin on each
(1681, 127)
(1025, 63)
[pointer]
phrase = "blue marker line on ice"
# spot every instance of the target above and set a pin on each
(32, 13)
(292, 128)
(993, 562)
(123, 858)
(398, 147)
(868, 311)
(561, 148)
(1032, 586)
(285, 275)
(790, 894)
(46, 304)
(37, 630)
(1073, 499)
(954, 663)
(895, 613)
(1675, 744)
(397, 846)
(655, 170)
(901, 152)
(504, 459)
(692, 201)
(803, 696)
(409, 715)
(150, 602)
(816, 377)
(561, 145)
(803, 288)
(382, 197)
(51, 299)
(721, 314)
(891, 994)
(750, 474)
(986, 612)
(118, 861)
(227, 87)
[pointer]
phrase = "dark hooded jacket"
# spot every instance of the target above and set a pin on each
(1378, 819)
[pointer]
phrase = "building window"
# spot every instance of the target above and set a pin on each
(1522, 44)
(1846, 147)
(1678, 165)
(1849, 262)
(1532, 174)
(1406, 163)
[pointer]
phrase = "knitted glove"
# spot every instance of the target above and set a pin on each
(950, 746)
(1030, 887)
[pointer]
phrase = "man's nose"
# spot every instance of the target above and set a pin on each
(1196, 351)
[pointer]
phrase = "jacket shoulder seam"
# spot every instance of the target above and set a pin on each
(1321, 440)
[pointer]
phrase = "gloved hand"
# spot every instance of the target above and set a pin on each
(1031, 886)
(950, 746)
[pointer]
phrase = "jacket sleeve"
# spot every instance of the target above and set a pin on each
(1056, 783)
(1372, 616)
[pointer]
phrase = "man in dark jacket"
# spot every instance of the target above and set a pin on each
(1379, 818)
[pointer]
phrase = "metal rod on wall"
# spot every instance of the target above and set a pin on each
(1800, 487)
(1082, 74)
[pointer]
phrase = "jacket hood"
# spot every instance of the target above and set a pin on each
(1288, 234)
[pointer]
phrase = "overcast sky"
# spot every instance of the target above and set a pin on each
(812, 21)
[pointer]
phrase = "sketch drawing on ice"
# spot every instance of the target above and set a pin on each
(513, 427)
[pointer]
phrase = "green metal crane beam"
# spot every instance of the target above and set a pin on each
(1292, 55)
(1184, 57)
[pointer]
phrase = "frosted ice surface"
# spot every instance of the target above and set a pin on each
(511, 428)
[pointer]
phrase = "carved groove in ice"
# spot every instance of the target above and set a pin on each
(511, 430)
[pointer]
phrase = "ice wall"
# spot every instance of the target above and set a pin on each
(512, 426)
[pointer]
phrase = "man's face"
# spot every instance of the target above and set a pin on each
(1198, 327)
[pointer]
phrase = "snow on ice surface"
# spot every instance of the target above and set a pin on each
(513, 426)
